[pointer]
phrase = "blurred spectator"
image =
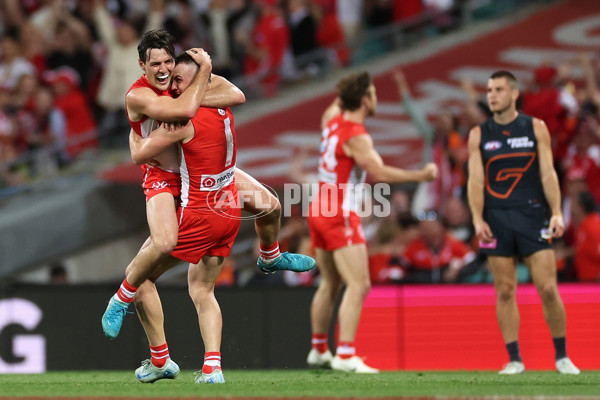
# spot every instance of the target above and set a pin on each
(12, 65)
(220, 38)
(552, 104)
(435, 256)
(44, 129)
(349, 15)
(330, 35)
(457, 219)
(180, 20)
(587, 239)
(583, 155)
(389, 243)
(22, 96)
(265, 48)
(444, 146)
(8, 150)
(379, 13)
(33, 47)
(475, 110)
(404, 9)
(68, 39)
(303, 36)
(120, 70)
(80, 125)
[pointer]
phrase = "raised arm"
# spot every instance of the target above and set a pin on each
(362, 150)
(222, 93)
(333, 110)
(548, 177)
(145, 102)
(475, 186)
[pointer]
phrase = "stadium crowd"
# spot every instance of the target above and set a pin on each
(65, 66)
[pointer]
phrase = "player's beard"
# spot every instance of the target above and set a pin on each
(505, 109)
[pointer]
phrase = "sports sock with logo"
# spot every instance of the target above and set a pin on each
(319, 342)
(269, 252)
(345, 350)
(125, 292)
(159, 354)
(212, 361)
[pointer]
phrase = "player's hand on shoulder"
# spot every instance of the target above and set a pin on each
(430, 171)
(200, 56)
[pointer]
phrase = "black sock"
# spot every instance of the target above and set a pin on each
(513, 351)
(560, 347)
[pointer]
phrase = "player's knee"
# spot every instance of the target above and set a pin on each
(199, 295)
(548, 292)
(361, 287)
(506, 292)
(165, 244)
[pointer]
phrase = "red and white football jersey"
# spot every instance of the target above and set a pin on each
(169, 159)
(338, 174)
(208, 161)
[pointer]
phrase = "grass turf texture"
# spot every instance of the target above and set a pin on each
(296, 383)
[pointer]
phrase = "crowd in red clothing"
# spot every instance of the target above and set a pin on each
(63, 64)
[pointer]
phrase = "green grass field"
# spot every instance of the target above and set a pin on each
(297, 383)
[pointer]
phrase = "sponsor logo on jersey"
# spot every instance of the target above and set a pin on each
(493, 145)
(159, 185)
(217, 181)
(506, 133)
(520, 142)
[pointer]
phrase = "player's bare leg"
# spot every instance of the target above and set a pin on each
(352, 264)
(149, 307)
(321, 310)
(162, 220)
(259, 201)
(150, 312)
(201, 286)
(504, 272)
(542, 265)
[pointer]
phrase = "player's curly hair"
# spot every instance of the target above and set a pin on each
(155, 39)
(352, 89)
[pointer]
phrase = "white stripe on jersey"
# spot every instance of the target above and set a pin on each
(185, 180)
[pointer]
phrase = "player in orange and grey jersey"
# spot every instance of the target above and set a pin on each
(512, 185)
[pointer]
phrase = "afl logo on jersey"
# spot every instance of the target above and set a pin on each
(208, 182)
(493, 145)
(221, 111)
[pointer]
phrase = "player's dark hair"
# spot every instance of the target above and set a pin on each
(510, 78)
(185, 58)
(352, 89)
(155, 39)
